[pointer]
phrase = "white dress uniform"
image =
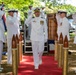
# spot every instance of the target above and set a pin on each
(17, 22)
(38, 36)
(2, 35)
(58, 25)
(64, 26)
(12, 29)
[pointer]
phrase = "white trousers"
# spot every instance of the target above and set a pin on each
(37, 48)
(9, 50)
(1, 50)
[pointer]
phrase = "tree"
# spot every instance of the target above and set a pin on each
(21, 5)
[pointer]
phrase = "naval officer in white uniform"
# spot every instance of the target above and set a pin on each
(63, 24)
(12, 29)
(38, 36)
(2, 35)
(58, 24)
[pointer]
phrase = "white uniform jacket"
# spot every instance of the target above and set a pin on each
(38, 28)
(2, 30)
(64, 26)
(58, 24)
(12, 27)
(17, 22)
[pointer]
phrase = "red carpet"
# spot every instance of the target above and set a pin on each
(48, 67)
(52, 51)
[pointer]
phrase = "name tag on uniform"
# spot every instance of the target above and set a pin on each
(42, 22)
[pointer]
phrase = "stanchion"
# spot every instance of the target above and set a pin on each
(17, 41)
(14, 56)
(56, 47)
(20, 48)
(65, 62)
(60, 50)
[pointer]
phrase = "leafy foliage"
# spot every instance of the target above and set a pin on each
(52, 6)
(69, 8)
(21, 5)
